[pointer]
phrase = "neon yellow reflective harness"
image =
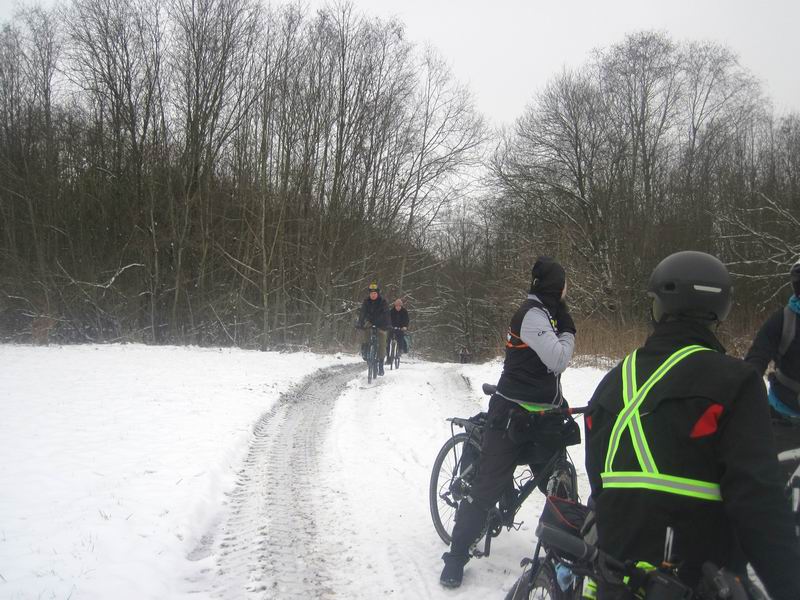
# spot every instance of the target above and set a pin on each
(649, 477)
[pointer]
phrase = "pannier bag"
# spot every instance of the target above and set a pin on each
(550, 431)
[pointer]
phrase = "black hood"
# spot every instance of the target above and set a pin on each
(547, 279)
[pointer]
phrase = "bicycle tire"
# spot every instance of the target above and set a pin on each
(392, 352)
(372, 359)
(442, 484)
(544, 588)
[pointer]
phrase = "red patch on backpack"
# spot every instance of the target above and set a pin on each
(707, 423)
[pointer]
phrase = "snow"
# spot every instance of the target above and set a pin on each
(119, 462)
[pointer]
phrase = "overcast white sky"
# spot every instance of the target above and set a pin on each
(507, 49)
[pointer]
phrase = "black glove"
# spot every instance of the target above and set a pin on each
(564, 322)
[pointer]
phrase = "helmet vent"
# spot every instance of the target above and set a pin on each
(707, 288)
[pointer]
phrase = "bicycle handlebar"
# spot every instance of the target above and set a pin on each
(716, 582)
(569, 544)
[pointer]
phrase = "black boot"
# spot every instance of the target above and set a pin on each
(380, 367)
(453, 571)
(469, 521)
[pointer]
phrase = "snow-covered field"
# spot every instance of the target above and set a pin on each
(161, 472)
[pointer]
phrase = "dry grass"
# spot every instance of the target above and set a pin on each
(599, 344)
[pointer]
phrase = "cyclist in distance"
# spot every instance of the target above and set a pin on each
(778, 341)
(374, 311)
(679, 437)
(540, 342)
(399, 318)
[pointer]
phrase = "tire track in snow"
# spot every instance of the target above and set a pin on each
(268, 546)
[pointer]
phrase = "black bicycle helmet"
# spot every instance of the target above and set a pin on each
(692, 285)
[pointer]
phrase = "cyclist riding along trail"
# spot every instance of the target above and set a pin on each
(374, 312)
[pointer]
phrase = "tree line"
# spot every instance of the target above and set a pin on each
(219, 172)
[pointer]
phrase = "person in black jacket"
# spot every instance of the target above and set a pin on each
(399, 318)
(778, 341)
(374, 311)
(540, 342)
(679, 436)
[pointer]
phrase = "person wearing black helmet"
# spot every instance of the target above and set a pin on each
(374, 311)
(678, 436)
(539, 346)
(778, 340)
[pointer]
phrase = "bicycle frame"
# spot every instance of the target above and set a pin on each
(393, 353)
(503, 517)
(372, 354)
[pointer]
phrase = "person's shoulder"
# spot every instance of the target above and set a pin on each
(537, 314)
(611, 380)
(717, 370)
(720, 360)
(774, 319)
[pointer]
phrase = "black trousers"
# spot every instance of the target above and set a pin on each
(495, 477)
(400, 336)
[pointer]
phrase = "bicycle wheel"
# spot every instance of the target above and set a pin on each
(451, 479)
(372, 362)
(396, 356)
(545, 587)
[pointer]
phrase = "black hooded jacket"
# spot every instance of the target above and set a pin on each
(399, 317)
(375, 312)
(526, 376)
(765, 350)
(706, 419)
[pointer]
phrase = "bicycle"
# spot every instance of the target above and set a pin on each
(394, 350)
(571, 558)
(373, 362)
(791, 458)
(557, 576)
(454, 470)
